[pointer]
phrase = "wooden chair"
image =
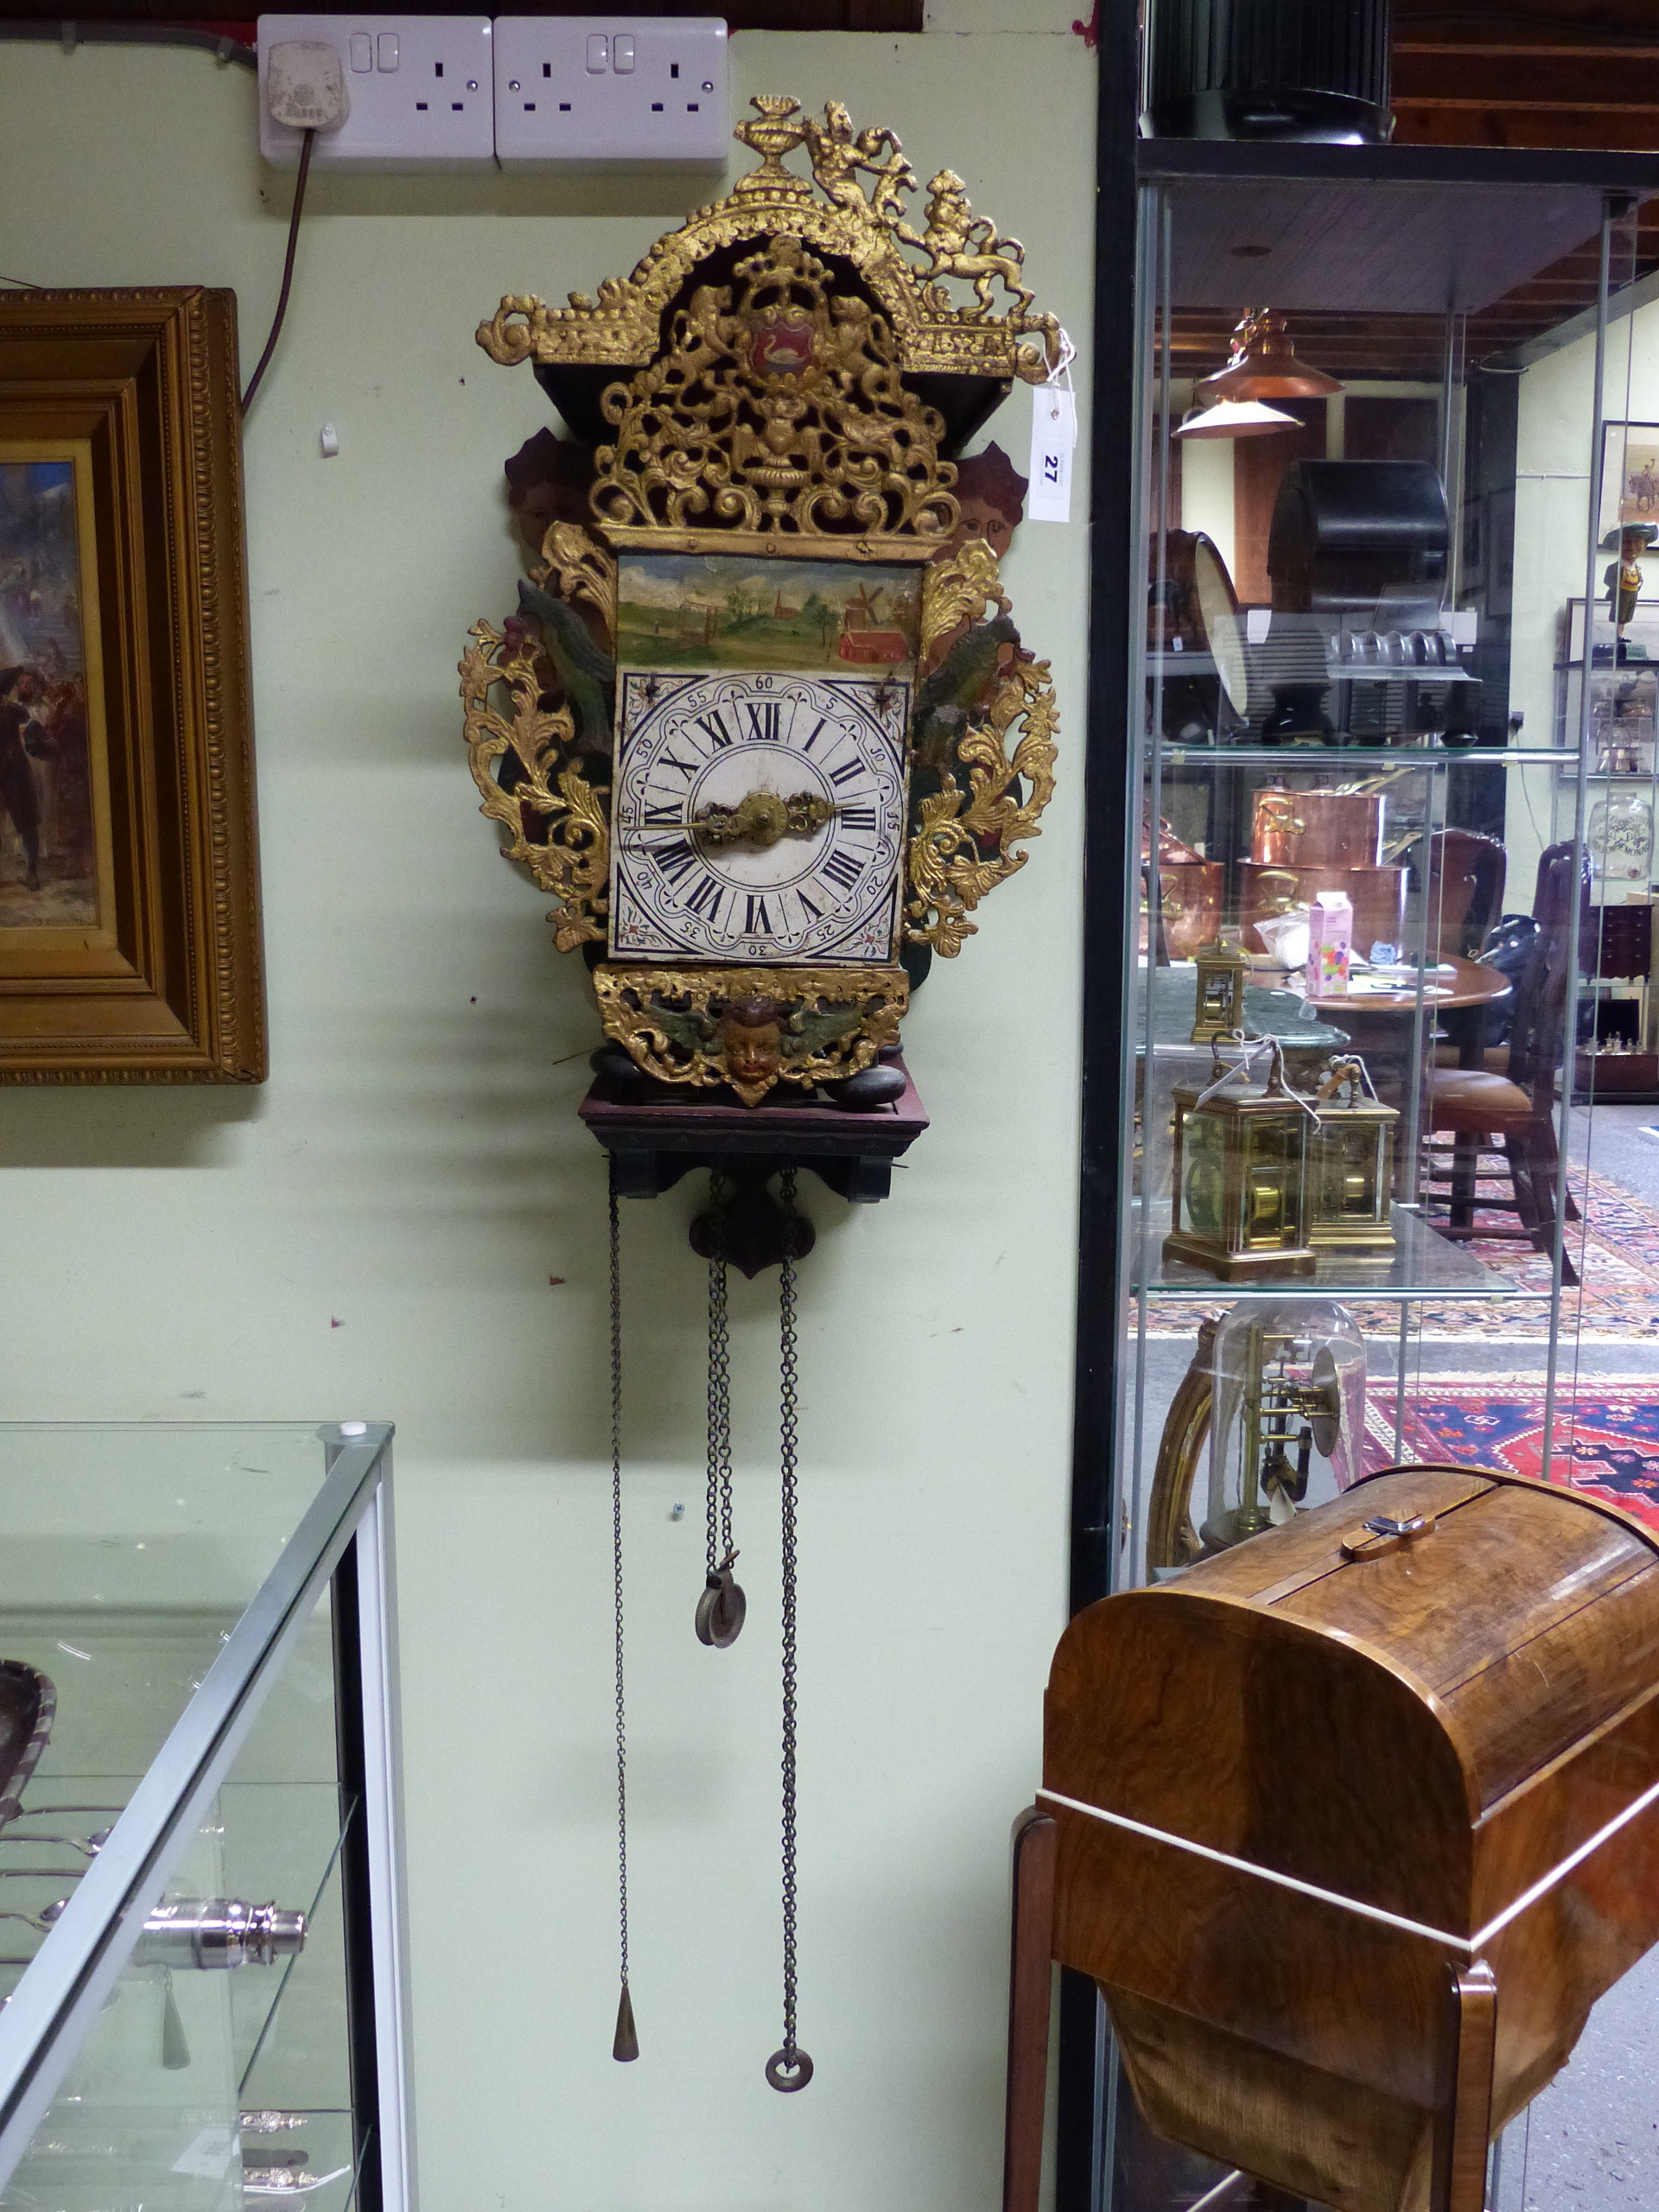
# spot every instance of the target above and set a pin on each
(1465, 897)
(1512, 1115)
(1465, 892)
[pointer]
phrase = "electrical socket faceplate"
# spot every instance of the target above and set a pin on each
(611, 88)
(421, 88)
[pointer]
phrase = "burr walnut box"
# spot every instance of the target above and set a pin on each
(1352, 1824)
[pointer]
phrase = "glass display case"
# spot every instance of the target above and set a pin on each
(201, 1998)
(1389, 937)
(1617, 1045)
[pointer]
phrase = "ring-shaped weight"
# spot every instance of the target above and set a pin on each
(789, 2073)
(720, 1611)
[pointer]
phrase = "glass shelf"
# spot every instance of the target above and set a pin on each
(1201, 663)
(1423, 1265)
(1437, 756)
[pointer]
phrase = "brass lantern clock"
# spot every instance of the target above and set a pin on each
(761, 724)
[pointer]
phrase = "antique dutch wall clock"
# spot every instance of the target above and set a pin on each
(762, 725)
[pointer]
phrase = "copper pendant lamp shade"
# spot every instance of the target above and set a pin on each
(1263, 365)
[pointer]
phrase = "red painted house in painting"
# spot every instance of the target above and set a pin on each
(861, 641)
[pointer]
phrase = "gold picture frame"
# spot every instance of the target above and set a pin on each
(129, 940)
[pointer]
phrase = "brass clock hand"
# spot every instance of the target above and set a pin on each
(762, 818)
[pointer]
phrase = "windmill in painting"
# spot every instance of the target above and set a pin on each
(864, 639)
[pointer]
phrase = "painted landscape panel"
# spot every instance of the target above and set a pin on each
(48, 860)
(719, 611)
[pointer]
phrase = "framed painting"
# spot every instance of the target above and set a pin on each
(1630, 475)
(129, 948)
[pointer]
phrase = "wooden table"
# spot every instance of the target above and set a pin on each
(1375, 1020)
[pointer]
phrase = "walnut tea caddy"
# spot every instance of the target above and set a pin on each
(1352, 1825)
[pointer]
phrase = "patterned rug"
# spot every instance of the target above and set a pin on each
(1606, 1431)
(1615, 1249)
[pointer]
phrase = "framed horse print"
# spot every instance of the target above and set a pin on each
(129, 894)
(1630, 475)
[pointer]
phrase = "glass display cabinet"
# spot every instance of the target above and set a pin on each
(200, 1995)
(1617, 1045)
(1389, 937)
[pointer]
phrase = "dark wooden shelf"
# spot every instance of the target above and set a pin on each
(656, 1135)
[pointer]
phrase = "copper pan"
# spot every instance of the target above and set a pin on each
(1192, 894)
(1342, 830)
(1190, 890)
(1378, 896)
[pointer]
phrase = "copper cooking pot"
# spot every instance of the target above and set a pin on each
(1377, 894)
(1190, 890)
(1317, 829)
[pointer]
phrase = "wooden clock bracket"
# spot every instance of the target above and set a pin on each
(656, 1135)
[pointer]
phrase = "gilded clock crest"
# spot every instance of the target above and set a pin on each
(762, 725)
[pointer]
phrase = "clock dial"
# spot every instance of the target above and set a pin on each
(758, 818)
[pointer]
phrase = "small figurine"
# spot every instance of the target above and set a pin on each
(1622, 577)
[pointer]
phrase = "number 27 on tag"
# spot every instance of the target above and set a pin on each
(1053, 436)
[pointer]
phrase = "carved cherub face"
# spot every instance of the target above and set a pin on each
(549, 479)
(991, 493)
(752, 1040)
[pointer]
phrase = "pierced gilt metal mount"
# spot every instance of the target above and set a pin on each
(936, 334)
(764, 404)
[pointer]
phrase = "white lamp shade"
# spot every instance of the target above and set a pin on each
(1236, 419)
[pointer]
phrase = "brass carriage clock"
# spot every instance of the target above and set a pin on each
(762, 724)
(1240, 1172)
(1351, 1164)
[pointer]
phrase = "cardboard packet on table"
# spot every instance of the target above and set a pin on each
(1331, 940)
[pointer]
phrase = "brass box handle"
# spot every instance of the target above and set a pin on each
(1384, 1534)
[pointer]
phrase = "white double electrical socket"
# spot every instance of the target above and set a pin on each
(609, 88)
(422, 90)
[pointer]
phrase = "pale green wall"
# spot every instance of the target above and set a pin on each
(373, 1231)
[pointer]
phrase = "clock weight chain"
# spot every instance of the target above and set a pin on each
(721, 1607)
(626, 2044)
(788, 2069)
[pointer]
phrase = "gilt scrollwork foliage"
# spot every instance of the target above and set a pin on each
(579, 571)
(533, 783)
(784, 413)
(934, 333)
(957, 590)
(985, 752)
